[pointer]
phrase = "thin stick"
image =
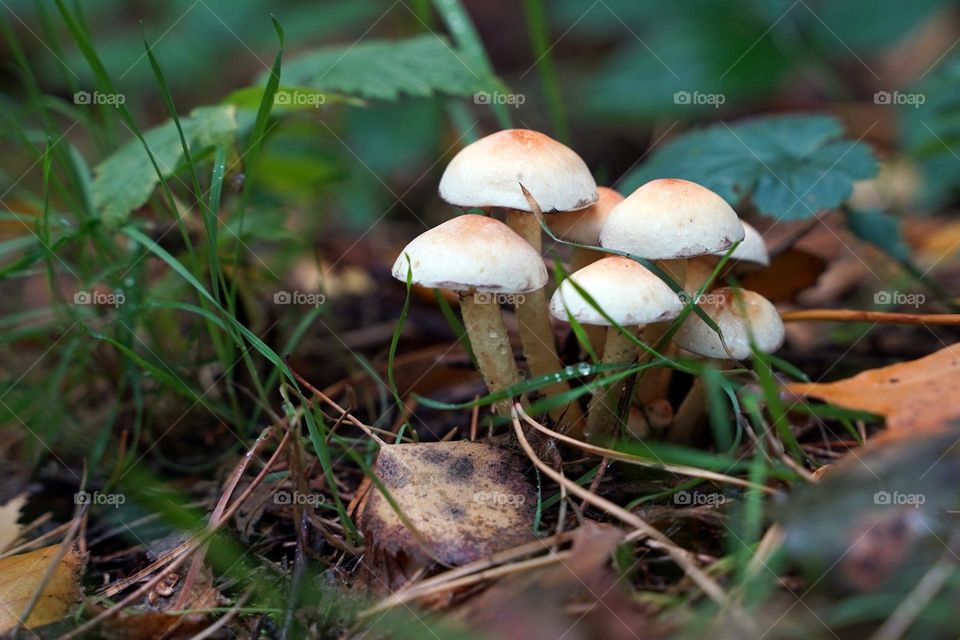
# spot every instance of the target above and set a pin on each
(450, 575)
(856, 315)
(655, 538)
(626, 457)
(349, 417)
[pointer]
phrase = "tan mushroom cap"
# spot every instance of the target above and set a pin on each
(752, 249)
(583, 227)
(472, 252)
(668, 219)
(626, 290)
(738, 313)
(489, 172)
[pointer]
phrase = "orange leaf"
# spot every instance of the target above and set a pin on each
(914, 396)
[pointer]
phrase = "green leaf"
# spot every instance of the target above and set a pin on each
(880, 229)
(125, 180)
(788, 166)
(385, 69)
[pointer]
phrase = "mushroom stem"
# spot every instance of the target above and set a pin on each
(491, 345)
(536, 334)
(692, 409)
(654, 383)
(603, 412)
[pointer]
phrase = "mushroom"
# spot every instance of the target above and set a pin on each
(631, 296)
(482, 259)
(583, 227)
(488, 173)
(670, 220)
(744, 318)
(750, 254)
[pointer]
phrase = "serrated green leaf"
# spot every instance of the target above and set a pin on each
(385, 69)
(788, 166)
(126, 178)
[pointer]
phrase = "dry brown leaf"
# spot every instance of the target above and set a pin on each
(9, 527)
(20, 576)
(465, 500)
(789, 273)
(914, 396)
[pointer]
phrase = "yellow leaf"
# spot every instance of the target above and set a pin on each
(20, 576)
(914, 396)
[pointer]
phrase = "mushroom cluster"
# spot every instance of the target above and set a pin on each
(682, 227)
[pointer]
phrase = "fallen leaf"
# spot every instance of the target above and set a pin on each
(465, 501)
(914, 396)
(20, 576)
(9, 527)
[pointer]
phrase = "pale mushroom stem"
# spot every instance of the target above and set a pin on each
(491, 345)
(654, 383)
(692, 409)
(536, 334)
(602, 414)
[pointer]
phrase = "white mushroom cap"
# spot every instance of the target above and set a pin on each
(626, 290)
(739, 313)
(752, 249)
(472, 252)
(667, 219)
(583, 227)
(489, 172)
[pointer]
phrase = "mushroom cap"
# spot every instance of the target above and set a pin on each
(583, 227)
(752, 249)
(668, 219)
(489, 172)
(626, 290)
(472, 252)
(738, 313)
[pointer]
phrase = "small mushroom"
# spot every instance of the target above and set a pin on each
(482, 259)
(583, 227)
(632, 297)
(744, 317)
(488, 173)
(670, 220)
